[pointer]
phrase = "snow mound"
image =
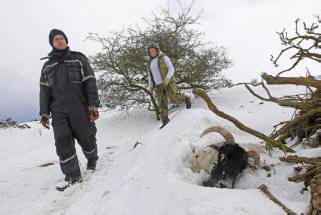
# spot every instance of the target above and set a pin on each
(154, 177)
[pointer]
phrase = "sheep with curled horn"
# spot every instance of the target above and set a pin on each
(224, 161)
(222, 131)
(253, 150)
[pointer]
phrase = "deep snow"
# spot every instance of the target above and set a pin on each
(155, 177)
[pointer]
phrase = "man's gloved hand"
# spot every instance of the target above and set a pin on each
(44, 121)
(93, 113)
(165, 82)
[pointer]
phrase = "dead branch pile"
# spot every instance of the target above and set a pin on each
(305, 44)
(311, 177)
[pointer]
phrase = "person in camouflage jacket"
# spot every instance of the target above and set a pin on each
(162, 82)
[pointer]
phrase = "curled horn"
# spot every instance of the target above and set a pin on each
(225, 133)
(254, 155)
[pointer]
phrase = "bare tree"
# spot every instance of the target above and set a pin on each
(124, 64)
(304, 45)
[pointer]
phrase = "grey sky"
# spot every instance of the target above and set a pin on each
(246, 27)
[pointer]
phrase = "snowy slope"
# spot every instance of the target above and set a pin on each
(155, 177)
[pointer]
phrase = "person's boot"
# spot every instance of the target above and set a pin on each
(164, 123)
(70, 179)
(73, 179)
(188, 102)
(91, 164)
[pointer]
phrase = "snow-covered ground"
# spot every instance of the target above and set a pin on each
(155, 177)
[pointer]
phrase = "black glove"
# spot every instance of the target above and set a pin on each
(44, 121)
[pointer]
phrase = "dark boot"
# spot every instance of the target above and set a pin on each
(70, 179)
(164, 123)
(188, 102)
(91, 164)
(73, 178)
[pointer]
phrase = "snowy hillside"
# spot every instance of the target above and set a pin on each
(155, 177)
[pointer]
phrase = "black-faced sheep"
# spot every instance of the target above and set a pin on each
(224, 161)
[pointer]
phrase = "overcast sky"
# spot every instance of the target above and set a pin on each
(246, 27)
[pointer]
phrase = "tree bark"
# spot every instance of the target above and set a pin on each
(302, 81)
(297, 159)
(315, 202)
(311, 177)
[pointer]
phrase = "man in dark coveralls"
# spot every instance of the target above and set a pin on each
(68, 92)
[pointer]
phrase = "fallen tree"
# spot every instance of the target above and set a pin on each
(270, 142)
(304, 45)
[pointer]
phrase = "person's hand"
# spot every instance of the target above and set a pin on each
(93, 113)
(44, 121)
(165, 82)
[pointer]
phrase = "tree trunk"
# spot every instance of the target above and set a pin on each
(302, 81)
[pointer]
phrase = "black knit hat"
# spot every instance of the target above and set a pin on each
(53, 33)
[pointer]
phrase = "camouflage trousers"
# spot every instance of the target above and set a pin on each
(162, 96)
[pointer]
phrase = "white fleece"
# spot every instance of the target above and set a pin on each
(155, 70)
